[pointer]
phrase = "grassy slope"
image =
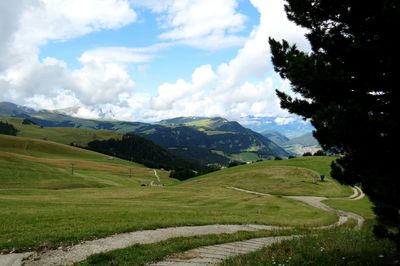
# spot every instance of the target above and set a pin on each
(148, 253)
(65, 135)
(338, 246)
(41, 202)
(283, 177)
(362, 207)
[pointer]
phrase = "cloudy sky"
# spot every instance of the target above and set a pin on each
(144, 60)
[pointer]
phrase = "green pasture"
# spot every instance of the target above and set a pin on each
(299, 176)
(44, 204)
(65, 135)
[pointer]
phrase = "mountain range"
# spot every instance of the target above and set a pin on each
(290, 127)
(297, 145)
(201, 140)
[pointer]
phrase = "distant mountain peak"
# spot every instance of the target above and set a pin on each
(12, 109)
(184, 120)
(205, 123)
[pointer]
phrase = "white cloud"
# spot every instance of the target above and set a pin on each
(170, 94)
(122, 55)
(61, 20)
(284, 120)
(27, 25)
(103, 86)
(64, 99)
(204, 24)
(154, 5)
(229, 91)
(98, 83)
(199, 18)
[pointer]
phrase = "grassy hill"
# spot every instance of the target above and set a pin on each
(37, 164)
(138, 150)
(42, 203)
(65, 135)
(299, 176)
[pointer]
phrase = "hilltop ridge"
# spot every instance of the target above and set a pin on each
(201, 140)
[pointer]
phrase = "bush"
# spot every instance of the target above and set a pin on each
(235, 163)
(7, 129)
(182, 174)
(27, 121)
(319, 153)
(307, 154)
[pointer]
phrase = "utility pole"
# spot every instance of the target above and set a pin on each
(72, 168)
(130, 172)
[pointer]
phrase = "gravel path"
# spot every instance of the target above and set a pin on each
(317, 203)
(249, 191)
(209, 255)
(343, 215)
(358, 193)
(14, 259)
(213, 255)
(156, 175)
(81, 251)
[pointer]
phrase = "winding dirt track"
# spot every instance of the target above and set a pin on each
(317, 203)
(81, 251)
(215, 254)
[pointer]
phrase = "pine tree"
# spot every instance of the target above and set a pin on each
(348, 85)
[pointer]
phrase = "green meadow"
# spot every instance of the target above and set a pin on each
(299, 176)
(65, 135)
(53, 194)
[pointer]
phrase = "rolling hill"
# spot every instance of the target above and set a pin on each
(130, 147)
(37, 164)
(102, 196)
(298, 176)
(64, 135)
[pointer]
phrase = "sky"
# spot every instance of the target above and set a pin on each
(145, 60)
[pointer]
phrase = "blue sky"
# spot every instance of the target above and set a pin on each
(145, 60)
(143, 33)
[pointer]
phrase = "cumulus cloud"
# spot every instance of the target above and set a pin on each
(229, 92)
(60, 20)
(122, 55)
(27, 25)
(98, 83)
(63, 100)
(169, 94)
(284, 120)
(103, 85)
(204, 24)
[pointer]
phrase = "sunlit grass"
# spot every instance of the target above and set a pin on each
(339, 246)
(43, 203)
